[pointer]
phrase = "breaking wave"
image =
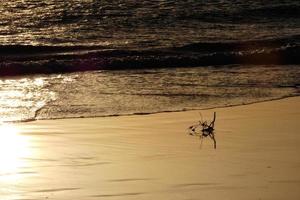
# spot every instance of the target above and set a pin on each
(26, 59)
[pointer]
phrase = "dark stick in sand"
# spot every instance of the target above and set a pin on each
(206, 130)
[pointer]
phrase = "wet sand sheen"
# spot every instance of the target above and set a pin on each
(152, 157)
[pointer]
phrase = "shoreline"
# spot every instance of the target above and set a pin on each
(154, 113)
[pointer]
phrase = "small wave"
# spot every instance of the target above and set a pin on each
(18, 60)
(271, 43)
(14, 51)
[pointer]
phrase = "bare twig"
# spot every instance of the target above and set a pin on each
(203, 129)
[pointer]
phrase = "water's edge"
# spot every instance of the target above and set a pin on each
(153, 113)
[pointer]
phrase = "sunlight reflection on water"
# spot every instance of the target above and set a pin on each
(21, 98)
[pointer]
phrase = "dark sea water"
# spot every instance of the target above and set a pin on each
(131, 57)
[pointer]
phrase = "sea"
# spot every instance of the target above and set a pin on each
(98, 58)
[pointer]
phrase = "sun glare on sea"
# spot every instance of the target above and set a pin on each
(14, 147)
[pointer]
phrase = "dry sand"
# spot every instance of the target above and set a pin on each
(152, 157)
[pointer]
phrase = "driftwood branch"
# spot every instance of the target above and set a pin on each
(204, 129)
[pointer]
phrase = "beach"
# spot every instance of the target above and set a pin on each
(153, 157)
(97, 97)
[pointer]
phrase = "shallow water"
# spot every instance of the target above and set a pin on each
(106, 93)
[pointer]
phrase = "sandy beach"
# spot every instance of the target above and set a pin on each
(97, 97)
(153, 157)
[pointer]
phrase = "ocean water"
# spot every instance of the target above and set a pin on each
(87, 58)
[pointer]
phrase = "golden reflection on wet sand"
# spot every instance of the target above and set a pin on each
(14, 148)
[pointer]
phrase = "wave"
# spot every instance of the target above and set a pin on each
(23, 50)
(18, 59)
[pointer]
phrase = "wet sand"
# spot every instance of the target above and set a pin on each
(153, 157)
